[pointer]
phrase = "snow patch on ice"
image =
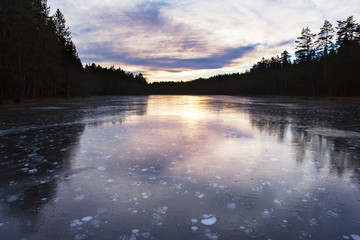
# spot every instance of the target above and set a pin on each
(101, 168)
(194, 228)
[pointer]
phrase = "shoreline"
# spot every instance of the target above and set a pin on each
(47, 101)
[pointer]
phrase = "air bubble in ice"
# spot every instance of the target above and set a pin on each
(208, 219)
(194, 228)
(87, 218)
(194, 220)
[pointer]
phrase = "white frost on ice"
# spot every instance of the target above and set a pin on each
(144, 170)
(162, 210)
(231, 205)
(331, 213)
(257, 189)
(135, 231)
(1, 224)
(146, 235)
(87, 218)
(194, 228)
(199, 195)
(79, 197)
(218, 177)
(32, 171)
(76, 223)
(265, 213)
(101, 168)
(278, 202)
(355, 237)
(212, 236)
(208, 219)
(266, 183)
(12, 198)
(313, 222)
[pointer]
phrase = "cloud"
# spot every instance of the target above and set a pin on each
(172, 36)
(100, 52)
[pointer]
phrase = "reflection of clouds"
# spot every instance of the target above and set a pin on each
(191, 155)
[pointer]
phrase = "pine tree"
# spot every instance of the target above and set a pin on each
(348, 30)
(305, 46)
(324, 38)
(70, 58)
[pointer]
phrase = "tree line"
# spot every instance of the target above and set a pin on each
(38, 58)
(326, 64)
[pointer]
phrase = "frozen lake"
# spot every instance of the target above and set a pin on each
(180, 167)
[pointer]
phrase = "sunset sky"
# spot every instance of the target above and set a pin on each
(186, 39)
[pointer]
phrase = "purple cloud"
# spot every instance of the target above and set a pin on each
(217, 60)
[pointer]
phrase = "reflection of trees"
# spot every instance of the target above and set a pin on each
(34, 157)
(113, 110)
(276, 117)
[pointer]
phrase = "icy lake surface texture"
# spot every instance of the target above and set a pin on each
(180, 167)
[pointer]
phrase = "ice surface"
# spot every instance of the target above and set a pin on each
(156, 166)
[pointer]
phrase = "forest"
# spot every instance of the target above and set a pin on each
(38, 59)
(326, 63)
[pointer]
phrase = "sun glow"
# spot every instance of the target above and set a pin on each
(190, 109)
